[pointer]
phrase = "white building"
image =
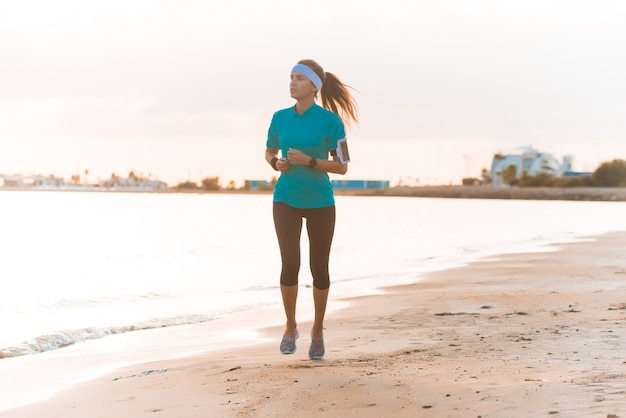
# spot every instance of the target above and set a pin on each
(32, 181)
(529, 160)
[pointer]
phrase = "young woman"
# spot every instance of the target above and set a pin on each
(305, 135)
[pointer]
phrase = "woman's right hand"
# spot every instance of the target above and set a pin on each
(282, 165)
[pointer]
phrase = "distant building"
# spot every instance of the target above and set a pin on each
(35, 181)
(529, 160)
(258, 185)
(45, 182)
(360, 184)
(15, 180)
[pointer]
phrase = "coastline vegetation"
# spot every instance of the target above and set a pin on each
(608, 174)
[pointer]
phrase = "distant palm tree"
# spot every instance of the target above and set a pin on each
(509, 176)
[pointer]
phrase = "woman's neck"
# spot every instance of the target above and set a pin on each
(303, 105)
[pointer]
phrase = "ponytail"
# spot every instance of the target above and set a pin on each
(335, 95)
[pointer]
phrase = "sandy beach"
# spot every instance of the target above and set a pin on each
(523, 335)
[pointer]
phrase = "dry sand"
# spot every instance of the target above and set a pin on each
(526, 335)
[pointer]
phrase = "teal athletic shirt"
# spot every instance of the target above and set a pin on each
(315, 132)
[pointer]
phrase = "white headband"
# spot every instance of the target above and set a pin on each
(309, 73)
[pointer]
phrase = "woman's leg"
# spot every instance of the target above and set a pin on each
(290, 297)
(288, 224)
(320, 227)
(320, 297)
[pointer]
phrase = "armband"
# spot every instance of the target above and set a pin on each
(342, 151)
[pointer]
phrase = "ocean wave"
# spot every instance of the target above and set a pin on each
(69, 337)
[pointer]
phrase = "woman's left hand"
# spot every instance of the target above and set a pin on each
(297, 157)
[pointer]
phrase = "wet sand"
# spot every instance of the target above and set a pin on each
(523, 335)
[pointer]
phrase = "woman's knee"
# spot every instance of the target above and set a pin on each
(289, 280)
(289, 273)
(321, 285)
(321, 281)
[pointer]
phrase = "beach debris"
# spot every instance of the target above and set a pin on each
(486, 307)
(521, 313)
(454, 313)
(232, 369)
(571, 309)
(618, 307)
(147, 372)
(534, 379)
(144, 373)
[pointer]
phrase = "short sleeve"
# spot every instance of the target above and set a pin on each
(272, 135)
(336, 131)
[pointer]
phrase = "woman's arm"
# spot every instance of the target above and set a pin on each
(281, 163)
(270, 153)
(334, 166)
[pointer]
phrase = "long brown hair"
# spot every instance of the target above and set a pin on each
(335, 95)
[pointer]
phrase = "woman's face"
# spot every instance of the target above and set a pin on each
(300, 86)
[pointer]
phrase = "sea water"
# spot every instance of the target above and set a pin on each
(77, 268)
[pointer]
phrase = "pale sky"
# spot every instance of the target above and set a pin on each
(185, 89)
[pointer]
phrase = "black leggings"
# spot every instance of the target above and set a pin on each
(320, 225)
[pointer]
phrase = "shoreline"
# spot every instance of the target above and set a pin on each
(526, 334)
(598, 194)
(603, 194)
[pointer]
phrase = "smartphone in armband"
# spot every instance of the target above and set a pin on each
(342, 151)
